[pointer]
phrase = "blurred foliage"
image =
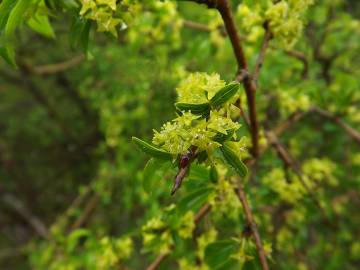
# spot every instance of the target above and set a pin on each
(74, 191)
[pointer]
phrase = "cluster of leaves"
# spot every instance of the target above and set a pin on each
(203, 126)
(284, 18)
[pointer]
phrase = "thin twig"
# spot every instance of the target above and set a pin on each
(38, 226)
(88, 211)
(54, 68)
(202, 213)
(354, 134)
(251, 223)
(196, 26)
(155, 264)
(292, 119)
(289, 161)
(301, 57)
(203, 27)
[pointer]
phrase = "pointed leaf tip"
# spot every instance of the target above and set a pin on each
(224, 94)
(151, 149)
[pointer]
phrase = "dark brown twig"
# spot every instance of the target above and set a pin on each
(15, 204)
(89, 209)
(252, 225)
(301, 57)
(292, 119)
(54, 68)
(354, 134)
(290, 162)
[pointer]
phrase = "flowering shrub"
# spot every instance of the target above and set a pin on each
(245, 114)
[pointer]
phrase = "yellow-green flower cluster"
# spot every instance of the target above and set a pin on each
(199, 87)
(320, 170)
(287, 191)
(187, 225)
(178, 136)
(112, 251)
(243, 254)
(124, 247)
(240, 147)
(186, 264)
(159, 22)
(204, 240)
(292, 100)
(103, 11)
(160, 243)
(292, 189)
(286, 20)
(187, 130)
(227, 203)
(250, 16)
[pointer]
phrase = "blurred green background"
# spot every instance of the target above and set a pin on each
(66, 157)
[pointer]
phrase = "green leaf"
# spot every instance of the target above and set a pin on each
(16, 16)
(218, 254)
(214, 176)
(41, 24)
(224, 94)
(199, 109)
(194, 200)
(151, 149)
(74, 237)
(220, 137)
(79, 34)
(155, 170)
(234, 160)
(5, 7)
(199, 173)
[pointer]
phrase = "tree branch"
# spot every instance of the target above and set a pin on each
(289, 161)
(156, 263)
(88, 211)
(54, 68)
(196, 26)
(293, 118)
(301, 57)
(250, 87)
(14, 203)
(251, 223)
(354, 134)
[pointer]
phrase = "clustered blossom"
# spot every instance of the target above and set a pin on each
(102, 11)
(286, 20)
(187, 130)
(314, 171)
(199, 87)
